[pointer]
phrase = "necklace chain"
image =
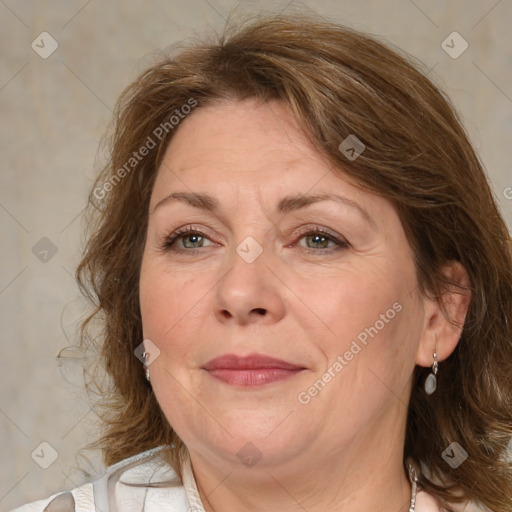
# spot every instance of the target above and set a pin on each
(414, 487)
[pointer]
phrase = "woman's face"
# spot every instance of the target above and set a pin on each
(289, 260)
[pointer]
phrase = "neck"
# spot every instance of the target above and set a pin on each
(367, 474)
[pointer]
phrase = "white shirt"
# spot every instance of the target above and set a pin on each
(113, 492)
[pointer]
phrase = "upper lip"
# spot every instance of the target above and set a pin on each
(250, 362)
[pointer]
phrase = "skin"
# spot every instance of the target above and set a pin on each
(301, 300)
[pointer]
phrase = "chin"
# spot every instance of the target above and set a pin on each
(248, 452)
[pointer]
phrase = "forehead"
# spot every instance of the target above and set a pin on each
(246, 144)
(233, 131)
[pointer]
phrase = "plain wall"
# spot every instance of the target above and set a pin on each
(53, 113)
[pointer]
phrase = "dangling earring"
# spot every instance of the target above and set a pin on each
(413, 478)
(144, 355)
(431, 381)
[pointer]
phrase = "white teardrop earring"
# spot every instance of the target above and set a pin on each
(431, 381)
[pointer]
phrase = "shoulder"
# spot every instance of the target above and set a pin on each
(427, 503)
(134, 481)
(78, 499)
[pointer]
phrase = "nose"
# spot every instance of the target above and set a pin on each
(249, 292)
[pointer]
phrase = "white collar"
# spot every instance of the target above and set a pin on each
(126, 484)
(148, 467)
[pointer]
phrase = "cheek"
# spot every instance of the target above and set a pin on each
(169, 303)
(373, 322)
(356, 302)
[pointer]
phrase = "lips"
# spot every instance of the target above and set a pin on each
(252, 370)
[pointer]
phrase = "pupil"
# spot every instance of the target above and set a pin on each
(318, 239)
(194, 239)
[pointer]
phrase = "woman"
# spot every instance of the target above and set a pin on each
(297, 239)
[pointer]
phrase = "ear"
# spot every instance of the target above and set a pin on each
(444, 316)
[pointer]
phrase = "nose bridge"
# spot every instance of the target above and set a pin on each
(249, 290)
(247, 273)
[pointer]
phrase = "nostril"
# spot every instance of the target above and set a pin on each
(260, 311)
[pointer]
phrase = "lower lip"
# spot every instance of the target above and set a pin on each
(252, 378)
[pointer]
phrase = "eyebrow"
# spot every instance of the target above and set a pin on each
(285, 205)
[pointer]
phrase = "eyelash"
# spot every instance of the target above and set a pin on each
(169, 241)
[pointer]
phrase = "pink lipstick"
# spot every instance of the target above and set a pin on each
(250, 371)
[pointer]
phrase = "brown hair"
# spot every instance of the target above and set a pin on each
(337, 82)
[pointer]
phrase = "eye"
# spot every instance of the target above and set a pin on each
(186, 239)
(316, 240)
(321, 240)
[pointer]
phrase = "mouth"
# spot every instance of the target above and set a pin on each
(250, 371)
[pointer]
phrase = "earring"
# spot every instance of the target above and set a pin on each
(431, 381)
(413, 478)
(144, 355)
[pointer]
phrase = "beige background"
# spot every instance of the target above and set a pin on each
(53, 114)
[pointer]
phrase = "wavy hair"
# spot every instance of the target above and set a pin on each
(337, 81)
